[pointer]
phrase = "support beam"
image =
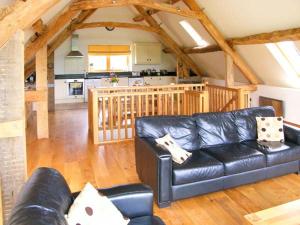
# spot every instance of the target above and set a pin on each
(38, 27)
(67, 32)
(169, 42)
(196, 50)
(51, 81)
(116, 24)
(229, 77)
(264, 38)
(22, 14)
(52, 28)
(42, 85)
(62, 37)
(140, 18)
(151, 4)
(215, 33)
(12, 115)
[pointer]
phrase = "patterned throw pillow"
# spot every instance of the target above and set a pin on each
(90, 208)
(270, 129)
(179, 155)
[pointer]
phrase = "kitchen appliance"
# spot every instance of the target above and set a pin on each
(74, 53)
(75, 87)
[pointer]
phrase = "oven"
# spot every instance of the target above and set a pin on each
(75, 87)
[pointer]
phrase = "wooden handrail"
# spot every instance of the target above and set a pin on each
(112, 112)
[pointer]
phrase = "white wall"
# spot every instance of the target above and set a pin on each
(290, 96)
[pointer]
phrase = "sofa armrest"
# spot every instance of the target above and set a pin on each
(154, 167)
(133, 200)
(292, 134)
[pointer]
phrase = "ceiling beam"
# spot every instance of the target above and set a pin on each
(59, 39)
(67, 32)
(53, 28)
(218, 37)
(169, 42)
(271, 37)
(151, 4)
(197, 50)
(21, 15)
(116, 24)
(140, 18)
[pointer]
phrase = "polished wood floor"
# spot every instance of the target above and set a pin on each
(70, 151)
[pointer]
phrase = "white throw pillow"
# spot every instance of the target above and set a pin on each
(90, 208)
(270, 129)
(179, 155)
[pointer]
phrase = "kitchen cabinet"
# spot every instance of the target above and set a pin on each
(61, 90)
(147, 53)
(159, 80)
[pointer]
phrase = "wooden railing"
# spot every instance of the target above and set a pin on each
(112, 115)
(223, 99)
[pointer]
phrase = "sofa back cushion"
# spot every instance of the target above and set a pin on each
(216, 129)
(245, 121)
(47, 194)
(181, 128)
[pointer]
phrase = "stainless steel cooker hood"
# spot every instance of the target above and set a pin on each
(74, 53)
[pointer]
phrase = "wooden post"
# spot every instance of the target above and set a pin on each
(241, 98)
(229, 78)
(42, 85)
(12, 115)
(51, 79)
(205, 101)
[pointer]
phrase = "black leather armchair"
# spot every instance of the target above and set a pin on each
(225, 153)
(46, 198)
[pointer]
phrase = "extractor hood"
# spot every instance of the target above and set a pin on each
(74, 53)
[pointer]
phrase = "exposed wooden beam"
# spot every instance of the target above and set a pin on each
(38, 27)
(42, 85)
(116, 24)
(196, 50)
(140, 18)
(67, 32)
(271, 37)
(52, 29)
(169, 42)
(151, 4)
(21, 15)
(218, 37)
(60, 38)
(229, 76)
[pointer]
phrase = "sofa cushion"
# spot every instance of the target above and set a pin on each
(276, 152)
(200, 166)
(216, 129)
(245, 121)
(237, 158)
(146, 220)
(181, 128)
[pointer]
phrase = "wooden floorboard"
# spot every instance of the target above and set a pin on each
(70, 151)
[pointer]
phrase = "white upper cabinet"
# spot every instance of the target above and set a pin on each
(147, 53)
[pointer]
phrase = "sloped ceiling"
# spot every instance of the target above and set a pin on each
(234, 18)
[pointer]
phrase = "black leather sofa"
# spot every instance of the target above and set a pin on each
(225, 153)
(46, 198)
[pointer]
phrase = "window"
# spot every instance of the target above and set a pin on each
(193, 33)
(109, 58)
(287, 55)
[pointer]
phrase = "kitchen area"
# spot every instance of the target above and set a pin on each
(102, 66)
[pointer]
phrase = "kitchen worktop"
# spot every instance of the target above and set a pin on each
(105, 75)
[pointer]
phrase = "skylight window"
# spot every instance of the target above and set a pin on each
(287, 55)
(193, 33)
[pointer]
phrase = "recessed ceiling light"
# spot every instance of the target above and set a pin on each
(193, 33)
